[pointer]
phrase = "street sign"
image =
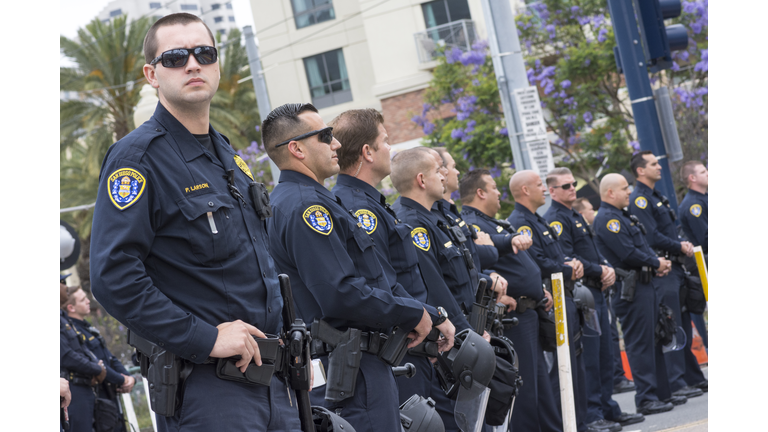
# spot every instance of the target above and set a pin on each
(534, 130)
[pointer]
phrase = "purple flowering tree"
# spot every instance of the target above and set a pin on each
(569, 56)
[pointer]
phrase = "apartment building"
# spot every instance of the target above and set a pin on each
(348, 54)
(217, 14)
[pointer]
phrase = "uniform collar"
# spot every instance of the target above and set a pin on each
(407, 202)
(297, 177)
(643, 188)
(562, 208)
(348, 180)
(526, 212)
(177, 130)
(605, 205)
(697, 193)
(468, 208)
(444, 204)
(75, 320)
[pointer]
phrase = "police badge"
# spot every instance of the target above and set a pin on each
(319, 219)
(367, 220)
(614, 225)
(243, 166)
(420, 238)
(125, 187)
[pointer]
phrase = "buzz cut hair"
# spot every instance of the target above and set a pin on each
(688, 169)
(282, 124)
(579, 205)
(407, 164)
(354, 129)
(638, 161)
(182, 18)
(555, 173)
(442, 151)
(470, 183)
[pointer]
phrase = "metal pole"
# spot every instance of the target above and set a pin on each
(259, 85)
(639, 88)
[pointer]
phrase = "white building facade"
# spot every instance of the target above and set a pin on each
(217, 14)
(349, 54)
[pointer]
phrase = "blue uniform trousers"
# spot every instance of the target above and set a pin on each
(619, 374)
(535, 408)
(682, 363)
(577, 368)
(374, 407)
(598, 364)
(638, 323)
(211, 403)
(80, 410)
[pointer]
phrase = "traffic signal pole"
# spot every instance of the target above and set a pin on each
(633, 63)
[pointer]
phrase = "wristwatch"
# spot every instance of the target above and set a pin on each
(442, 315)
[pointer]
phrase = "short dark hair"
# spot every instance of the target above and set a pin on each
(282, 124)
(578, 205)
(442, 152)
(183, 18)
(688, 169)
(638, 161)
(470, 183)
(555, 173)
(354, 129)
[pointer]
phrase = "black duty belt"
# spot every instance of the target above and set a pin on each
(272, 362)
(524, 303)
(79, 379)
(370, 342)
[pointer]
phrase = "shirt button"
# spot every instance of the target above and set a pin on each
(210, 203)
(193, 357)
(263, 274)
(269, 309)
(161, 344)
(254, 238)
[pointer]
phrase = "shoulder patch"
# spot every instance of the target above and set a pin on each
(319, 219)
(558, 227)
(641, 202)
(367, 220)
(696, 210)
(525, 230)
(420, 238)
(477, 228)
(243, 166)
(125, 187)
(614, 225)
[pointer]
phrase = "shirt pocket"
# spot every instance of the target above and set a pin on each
(454, 268)
(211, 234)
(365, 260)
(404, 252)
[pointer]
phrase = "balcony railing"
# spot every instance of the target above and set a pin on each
(460, 34)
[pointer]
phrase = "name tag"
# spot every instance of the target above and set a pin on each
(449, 244)
(499, 229)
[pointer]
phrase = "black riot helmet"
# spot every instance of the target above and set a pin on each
(471, 360)
(328, 421)
(418, 414)
(585, 303)
(505, 383)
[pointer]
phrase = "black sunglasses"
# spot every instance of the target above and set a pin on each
(178, 57)
(325, 136)
(567, 185)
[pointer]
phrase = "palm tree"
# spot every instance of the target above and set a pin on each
(234, 112)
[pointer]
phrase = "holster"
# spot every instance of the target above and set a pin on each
(525, 303)
(272, 361)
(343, 360)
(165, 372)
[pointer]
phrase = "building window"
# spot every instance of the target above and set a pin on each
(328, 80)
(155, 5)
(309, 12)
(189, 7)
(116, 12)
(218, 19)
(222, 31)
(444, 11)
(229, 5)
(231, 19)
(215, 6)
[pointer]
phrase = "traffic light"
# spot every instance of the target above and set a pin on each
(659, 41)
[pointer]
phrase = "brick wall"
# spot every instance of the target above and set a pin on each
(399, 110)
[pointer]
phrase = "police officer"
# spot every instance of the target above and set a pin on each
(694, 220)
(364, 160)
(528, 190)
(576, 238)
(335, 273)
(653, 211)
(622, 243)
(535, 407)
(117, 380)
(620, 382)
(81, 368)
(179, 254)
(417, 176)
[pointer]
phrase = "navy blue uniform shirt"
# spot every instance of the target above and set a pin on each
(74, 356)
(392, 238)
(484, 256)
(173, 253)
(646, 204)
(335, 274)
(98, 347)
(621, 241)
(545, 249)
(576, 238)
(520, 270)
(441, 263)
(693, 218)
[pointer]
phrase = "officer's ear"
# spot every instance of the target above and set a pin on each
(150, 75)
(367, 153)
(294, 147)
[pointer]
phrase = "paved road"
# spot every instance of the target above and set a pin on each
(693, 416)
